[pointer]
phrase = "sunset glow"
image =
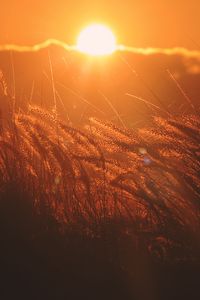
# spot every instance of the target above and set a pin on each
(96, 40)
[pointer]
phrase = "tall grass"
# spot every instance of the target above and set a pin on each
(144, 184)
(96, 205)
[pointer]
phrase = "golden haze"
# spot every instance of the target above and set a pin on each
(137, 23)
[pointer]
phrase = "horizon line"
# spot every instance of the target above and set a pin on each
(122, 48)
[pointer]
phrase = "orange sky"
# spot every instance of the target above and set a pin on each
(139, 23)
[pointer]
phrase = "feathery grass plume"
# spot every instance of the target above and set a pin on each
(139, 182)
(5, 103)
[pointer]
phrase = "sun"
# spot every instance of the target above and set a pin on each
(96, 40)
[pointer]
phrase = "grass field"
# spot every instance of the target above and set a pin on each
(98, 211)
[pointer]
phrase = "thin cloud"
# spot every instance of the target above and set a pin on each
(166, 51)
(144, 51)
(36, 47)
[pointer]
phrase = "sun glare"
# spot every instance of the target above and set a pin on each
(96, 40)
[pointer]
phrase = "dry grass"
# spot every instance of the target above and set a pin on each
(79, 206)
(143, 184)
(102, 179)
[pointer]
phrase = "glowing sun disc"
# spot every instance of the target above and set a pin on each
(96, 40)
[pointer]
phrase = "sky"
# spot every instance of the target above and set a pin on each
(136, 23)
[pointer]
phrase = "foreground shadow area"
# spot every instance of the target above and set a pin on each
(100, 212)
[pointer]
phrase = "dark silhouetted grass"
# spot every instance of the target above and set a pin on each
(100, 212)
